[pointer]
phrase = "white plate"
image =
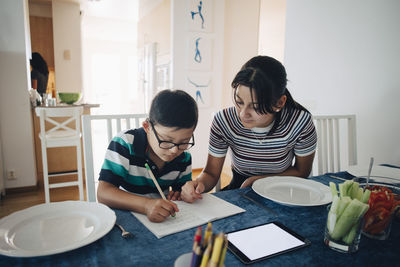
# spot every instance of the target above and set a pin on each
(379, 173)
(52, 228)
(293, 191)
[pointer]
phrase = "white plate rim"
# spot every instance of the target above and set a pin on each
(379, 171)
(107, 221)
(273, 180)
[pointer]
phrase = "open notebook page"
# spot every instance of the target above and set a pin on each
(190, 215)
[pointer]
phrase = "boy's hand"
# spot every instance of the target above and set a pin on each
(174, 195)
(191, 191)
(157, 210)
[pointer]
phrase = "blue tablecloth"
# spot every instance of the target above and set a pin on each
(146, 250)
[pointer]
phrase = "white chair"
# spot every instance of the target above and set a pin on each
(112, 124)
(60, 127)
(337, 143)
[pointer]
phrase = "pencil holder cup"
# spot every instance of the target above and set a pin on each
(183, 260)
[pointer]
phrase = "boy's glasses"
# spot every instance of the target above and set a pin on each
(168, 145)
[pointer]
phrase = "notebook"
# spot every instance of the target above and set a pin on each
(190, 215)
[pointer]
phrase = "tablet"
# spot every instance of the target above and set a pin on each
(264, 241)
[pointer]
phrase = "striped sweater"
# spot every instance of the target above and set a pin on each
(124, 165)
(257, 153)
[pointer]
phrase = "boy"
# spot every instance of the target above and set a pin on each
(160, 143)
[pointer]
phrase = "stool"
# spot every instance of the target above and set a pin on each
(60, 134)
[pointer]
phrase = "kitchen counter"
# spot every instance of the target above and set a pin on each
(59, 159)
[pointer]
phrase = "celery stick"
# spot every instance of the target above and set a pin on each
(347, 188)
(331, 221)
(343, 204)
(360, 194)
(341, 190)
(349, 217)
(335, 204)
(354, 189)
(332, 215)
(348, 239)
(332, 186)
(366, 195)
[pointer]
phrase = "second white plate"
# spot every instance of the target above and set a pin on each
(379, 173)
(293, 191)
(52, 228)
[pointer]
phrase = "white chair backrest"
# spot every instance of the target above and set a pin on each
(337, 143)
(54, 126)
(113, 125)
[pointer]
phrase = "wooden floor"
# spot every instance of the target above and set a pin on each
(15, 201)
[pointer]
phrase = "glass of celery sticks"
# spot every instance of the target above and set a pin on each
(345, 216)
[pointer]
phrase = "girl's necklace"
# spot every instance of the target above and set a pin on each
(259, 140)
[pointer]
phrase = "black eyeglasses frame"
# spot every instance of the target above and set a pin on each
(169, 144)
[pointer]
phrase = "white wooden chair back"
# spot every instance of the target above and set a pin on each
(337, 143)
(59, 132)
(113, 125)
(60, 127)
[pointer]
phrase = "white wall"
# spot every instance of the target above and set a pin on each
(272, 28)
(342, 57)
(67, 39)
(15, 110)
(240, 40)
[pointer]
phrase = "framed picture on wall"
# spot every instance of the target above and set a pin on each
(199, 15)
(199, 52)
(198, 85)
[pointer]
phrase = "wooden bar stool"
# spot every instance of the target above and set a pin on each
(64, 131)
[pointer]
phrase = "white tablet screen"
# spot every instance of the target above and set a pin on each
(263, 240)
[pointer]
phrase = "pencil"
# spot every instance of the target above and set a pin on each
(156, 183)
(207, 234)
(206, 254)
(197, 237)
(216, 253)
(198, 256)
(223, 253)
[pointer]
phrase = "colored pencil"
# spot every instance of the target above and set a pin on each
(216, 250)
(198, 256)
(223, 253)
(206, 254)
(207, 234)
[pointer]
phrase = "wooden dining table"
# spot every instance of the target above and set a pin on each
(145, 249)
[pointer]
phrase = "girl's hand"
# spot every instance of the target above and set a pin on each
(174, 195)
(191, 191)
(248, 182)
(157, 210)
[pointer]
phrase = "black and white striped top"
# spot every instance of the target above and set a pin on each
(257, 153)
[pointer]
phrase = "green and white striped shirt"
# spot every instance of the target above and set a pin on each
(124, 165)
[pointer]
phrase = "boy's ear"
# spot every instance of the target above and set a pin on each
(146, 126)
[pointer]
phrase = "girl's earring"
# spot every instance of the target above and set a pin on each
(278, 110)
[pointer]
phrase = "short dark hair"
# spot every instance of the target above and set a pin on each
(174, 108)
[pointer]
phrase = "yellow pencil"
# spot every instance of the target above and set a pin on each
(207, 234)
(156, 183)
(223, 253)
(216, 250)
(206, 254)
